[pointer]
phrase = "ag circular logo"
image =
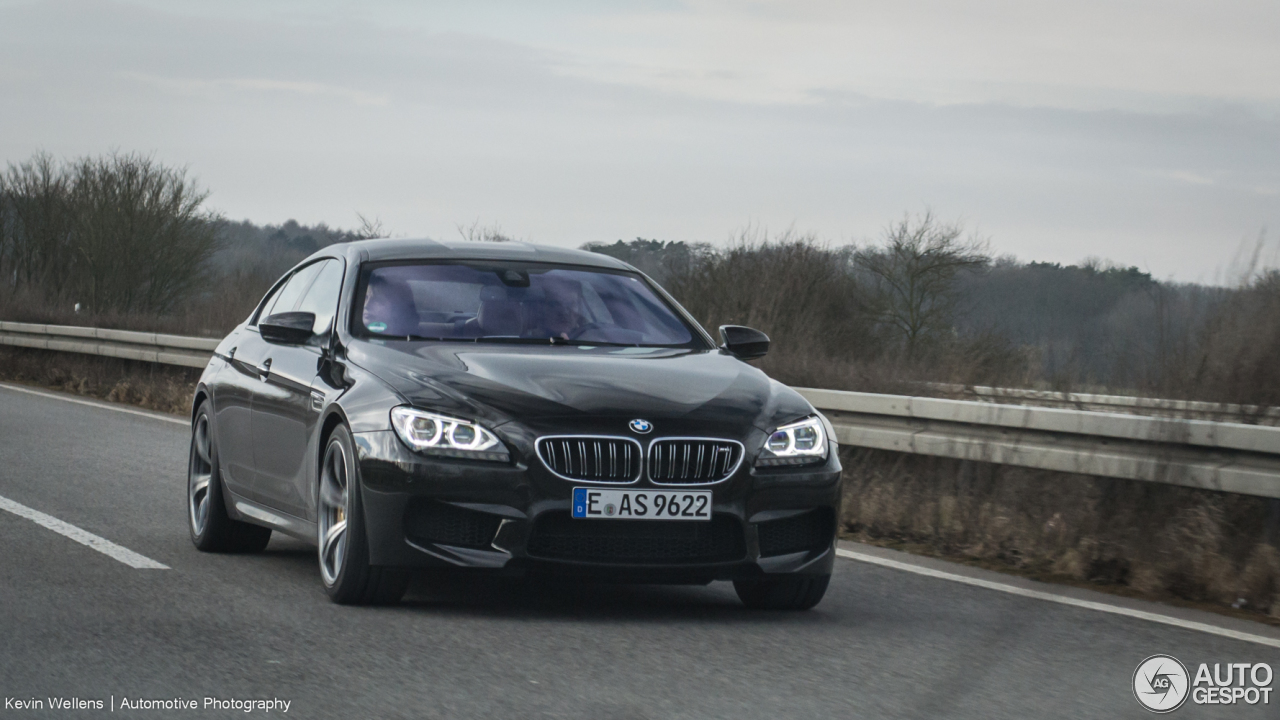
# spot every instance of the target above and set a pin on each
(1161, 683)
(641, 426)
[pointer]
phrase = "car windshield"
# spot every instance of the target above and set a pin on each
(515, 302)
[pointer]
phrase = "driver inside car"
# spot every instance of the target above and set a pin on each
(562, 316)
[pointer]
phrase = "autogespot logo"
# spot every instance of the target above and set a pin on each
(641, 426)
(1161, 683)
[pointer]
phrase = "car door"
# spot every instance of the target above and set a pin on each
(242, 383)
(233, 412)
(233, 400)
(284, 414)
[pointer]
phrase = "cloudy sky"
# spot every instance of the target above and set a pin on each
(1144, 131)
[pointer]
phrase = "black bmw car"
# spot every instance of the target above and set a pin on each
(507, 408)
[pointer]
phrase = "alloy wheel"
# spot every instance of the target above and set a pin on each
(334, 482)
(199, 473)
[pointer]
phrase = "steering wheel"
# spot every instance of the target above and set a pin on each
(582, 330)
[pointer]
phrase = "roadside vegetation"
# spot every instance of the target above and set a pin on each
(124, 242)
(1209, 549)
(924, 303)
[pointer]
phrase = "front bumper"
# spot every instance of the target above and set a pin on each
(514, 519)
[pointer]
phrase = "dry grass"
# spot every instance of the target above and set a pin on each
(148, 385)
(1156, 540)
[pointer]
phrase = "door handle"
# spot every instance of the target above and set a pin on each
(265, 369)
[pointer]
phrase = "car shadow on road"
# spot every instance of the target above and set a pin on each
(551, 598)
(548, 598)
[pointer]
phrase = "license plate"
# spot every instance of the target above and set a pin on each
(641, 504)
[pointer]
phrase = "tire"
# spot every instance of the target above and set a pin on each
(792, 593)
(343, 545)
(212, 530)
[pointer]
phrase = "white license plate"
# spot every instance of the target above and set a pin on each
(642, 504)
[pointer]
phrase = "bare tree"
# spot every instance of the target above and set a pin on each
(369, 229)
(475, 232)
(796, 289)
(913, 275)
(35, 243)
(116, 233)
(141, 237)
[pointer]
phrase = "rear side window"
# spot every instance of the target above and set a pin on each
(322, 298)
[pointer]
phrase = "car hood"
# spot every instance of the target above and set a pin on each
(501, 383)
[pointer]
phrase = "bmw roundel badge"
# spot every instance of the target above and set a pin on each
(641, 426)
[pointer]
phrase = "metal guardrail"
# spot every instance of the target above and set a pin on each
(151, 347)
(1231, 457)
(1112, 403)
(1208, 454)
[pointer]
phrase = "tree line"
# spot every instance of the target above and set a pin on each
(925, 302)
(124, 241)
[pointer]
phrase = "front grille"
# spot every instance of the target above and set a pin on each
(427, 521)
(690, 462)
(592, 459)
(558, 536)
(811, 531)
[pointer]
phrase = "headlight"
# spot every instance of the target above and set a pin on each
(799, 443)
(435, 434)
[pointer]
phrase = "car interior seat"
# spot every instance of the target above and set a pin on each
(498, 314)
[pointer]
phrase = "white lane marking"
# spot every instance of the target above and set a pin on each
(84, 537)
(1061, 599)
(90, 403)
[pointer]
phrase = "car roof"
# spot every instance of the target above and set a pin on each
(425, 249)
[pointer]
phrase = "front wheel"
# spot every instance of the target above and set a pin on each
(786, 593)
(348, 577)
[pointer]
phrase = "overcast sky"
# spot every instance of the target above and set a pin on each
(1144, 131)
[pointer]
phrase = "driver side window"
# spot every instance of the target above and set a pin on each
(322, 297)
(286, 297)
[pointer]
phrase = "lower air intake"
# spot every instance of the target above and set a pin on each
(811, 531)
(427, 521)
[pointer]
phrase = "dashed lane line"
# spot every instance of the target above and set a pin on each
(84, 537)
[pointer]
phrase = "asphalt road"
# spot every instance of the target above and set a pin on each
(883, 644)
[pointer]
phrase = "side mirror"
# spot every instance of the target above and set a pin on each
(744, 342)
(289, 328)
